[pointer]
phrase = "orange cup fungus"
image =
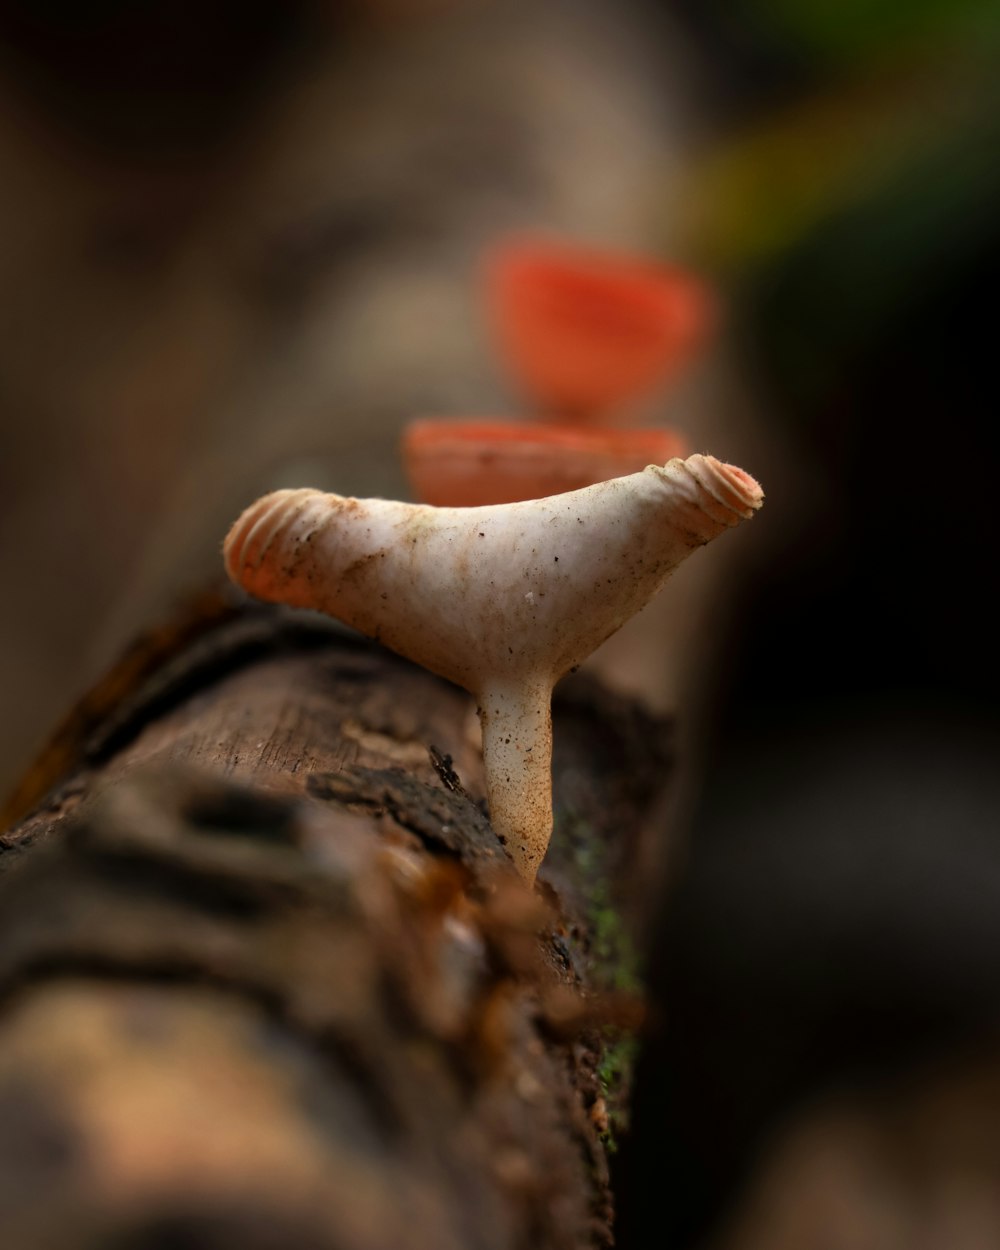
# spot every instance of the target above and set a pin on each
(585, 331)
(456, 463)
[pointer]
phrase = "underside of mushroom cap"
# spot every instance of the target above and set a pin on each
(734, 488)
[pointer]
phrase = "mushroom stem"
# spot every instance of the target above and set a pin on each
(517, 754)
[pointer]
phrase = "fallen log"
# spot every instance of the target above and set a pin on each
(267, 977)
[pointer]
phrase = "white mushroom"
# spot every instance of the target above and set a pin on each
(503, 600)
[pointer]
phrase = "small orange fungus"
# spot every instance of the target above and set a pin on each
(456, 464)
(585, 331)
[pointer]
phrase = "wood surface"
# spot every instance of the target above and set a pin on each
(268, 979)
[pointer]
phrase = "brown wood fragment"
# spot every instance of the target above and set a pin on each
(268, 978)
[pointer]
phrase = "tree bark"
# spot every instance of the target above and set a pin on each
(268, 979)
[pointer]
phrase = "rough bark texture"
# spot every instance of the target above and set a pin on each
(268, 979)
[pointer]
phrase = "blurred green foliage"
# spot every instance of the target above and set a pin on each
(848, 31)
(835, 212)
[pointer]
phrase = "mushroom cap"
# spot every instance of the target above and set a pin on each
(456, 463)
(583, 331)
(494, 594)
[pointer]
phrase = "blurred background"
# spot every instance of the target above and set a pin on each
(240, 246)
